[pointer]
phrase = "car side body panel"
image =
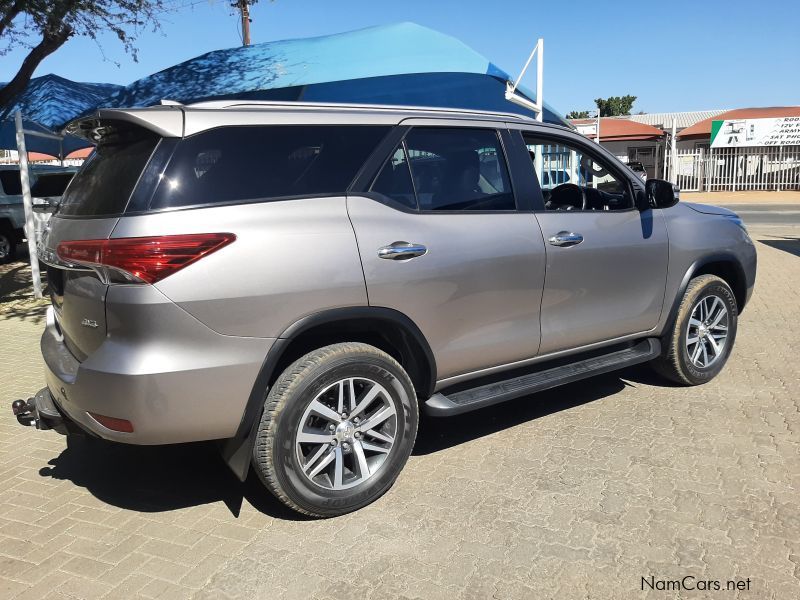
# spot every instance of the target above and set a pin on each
(475, 294)
(698, 239)
(290, 259)
(608, 286)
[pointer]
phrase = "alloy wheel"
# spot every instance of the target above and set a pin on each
(707, 333)
(346, 433)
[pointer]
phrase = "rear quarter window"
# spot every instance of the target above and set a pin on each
(236, 164)
(106, 180)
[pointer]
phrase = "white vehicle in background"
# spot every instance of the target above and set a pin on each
(47, 185)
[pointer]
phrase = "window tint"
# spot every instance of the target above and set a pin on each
(106, 180)
(51, 184)
(394, 180)
(12, 185)
(571, 179)
(247, 163)
(459, 169)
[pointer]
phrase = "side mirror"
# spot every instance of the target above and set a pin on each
(661, 194)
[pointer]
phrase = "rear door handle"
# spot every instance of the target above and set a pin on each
(566, 238)
(401, 251)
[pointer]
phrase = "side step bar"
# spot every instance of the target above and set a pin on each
(440, 405)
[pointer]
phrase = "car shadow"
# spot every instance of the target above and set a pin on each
(787, 244)
(160, 478)
(437, 434)
(166, 478)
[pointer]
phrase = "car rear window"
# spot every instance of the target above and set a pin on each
(51, 184)
(234, 164)
(11, 182)
(106, 180)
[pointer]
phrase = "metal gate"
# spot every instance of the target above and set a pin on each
(732, 169)
(686, 169)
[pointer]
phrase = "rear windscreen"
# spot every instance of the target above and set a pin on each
(254, 163)
(51, 184)
(106, 180)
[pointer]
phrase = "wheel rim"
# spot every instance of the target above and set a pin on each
(5, 246)
(346, 433)
(707, 333)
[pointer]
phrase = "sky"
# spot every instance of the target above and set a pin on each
(673, 56)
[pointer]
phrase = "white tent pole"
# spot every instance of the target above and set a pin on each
(597, 135)
(540, 79)
(673, 173)
(30, 230)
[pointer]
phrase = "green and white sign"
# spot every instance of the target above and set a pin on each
(738, 133)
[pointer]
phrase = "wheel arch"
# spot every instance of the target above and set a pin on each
(725, 266)
(387, 329)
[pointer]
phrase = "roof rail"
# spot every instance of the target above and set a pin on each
(233, 103)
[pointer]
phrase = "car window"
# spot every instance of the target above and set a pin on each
(394, 180)
(51, 184)
(255, 163)
(105, 181)
(10, 180)
(457, 169)
(572, 179)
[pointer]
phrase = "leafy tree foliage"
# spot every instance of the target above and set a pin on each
(615, 105)
(578, 114)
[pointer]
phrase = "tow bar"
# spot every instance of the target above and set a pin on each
(40, 411)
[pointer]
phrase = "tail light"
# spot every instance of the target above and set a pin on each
(142, 259)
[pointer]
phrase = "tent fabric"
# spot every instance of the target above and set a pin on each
(46, 105)
(388, 64)
(51, 100)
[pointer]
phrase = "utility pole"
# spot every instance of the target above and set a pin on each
(244, 9)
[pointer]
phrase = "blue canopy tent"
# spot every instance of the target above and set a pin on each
(46, 104)
(402, 63)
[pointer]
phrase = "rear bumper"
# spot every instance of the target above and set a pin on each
(172, 389)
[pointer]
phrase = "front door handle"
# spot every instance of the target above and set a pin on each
(566, 238)
(401, 251)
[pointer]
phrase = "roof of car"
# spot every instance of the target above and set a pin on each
(177, 120)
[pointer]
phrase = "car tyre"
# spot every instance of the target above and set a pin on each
(307, 402)
(8, 245)
(701, 339)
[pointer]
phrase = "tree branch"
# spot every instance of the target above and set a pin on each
(52, 40)
(12, 13)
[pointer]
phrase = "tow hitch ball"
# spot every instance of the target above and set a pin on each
(24, 411)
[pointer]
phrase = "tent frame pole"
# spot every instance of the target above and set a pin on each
(30, 229)
(511, 87)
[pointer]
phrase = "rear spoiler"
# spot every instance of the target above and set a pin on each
(165, 121)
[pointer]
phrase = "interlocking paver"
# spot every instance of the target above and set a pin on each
(577, 492)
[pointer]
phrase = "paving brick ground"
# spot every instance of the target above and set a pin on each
(575, 493)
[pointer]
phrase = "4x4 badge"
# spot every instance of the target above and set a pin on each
(89, 323)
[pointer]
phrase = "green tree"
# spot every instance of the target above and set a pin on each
(43, 26)
(578, 114)
(615, 105)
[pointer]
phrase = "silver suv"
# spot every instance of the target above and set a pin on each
(299, 281)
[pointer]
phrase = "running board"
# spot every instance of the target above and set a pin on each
(440, 405)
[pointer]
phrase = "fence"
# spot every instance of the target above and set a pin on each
(732, 169)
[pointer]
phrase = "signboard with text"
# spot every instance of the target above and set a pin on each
(738, 133)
